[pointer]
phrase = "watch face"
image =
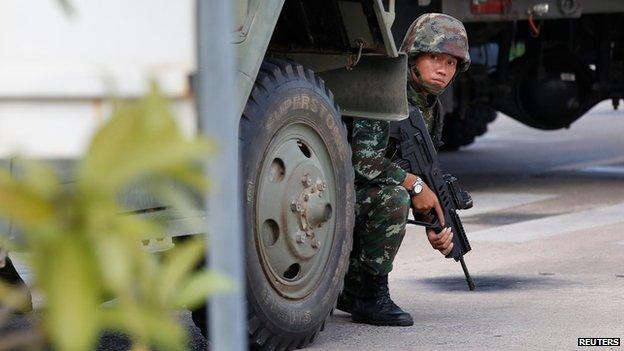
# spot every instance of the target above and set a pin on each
(418, 188)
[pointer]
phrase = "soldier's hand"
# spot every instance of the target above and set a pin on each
(442, 242)
(426, 201)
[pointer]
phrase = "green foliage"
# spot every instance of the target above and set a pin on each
(85, 248)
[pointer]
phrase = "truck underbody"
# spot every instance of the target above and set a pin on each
(544, 69)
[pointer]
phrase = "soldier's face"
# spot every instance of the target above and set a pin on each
(435, 69)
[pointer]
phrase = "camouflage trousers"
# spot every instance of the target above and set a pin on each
(380, 218)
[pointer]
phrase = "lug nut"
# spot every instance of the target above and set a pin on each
(306, 197)
(294, 206)
(320, 187)
(300, 238)
(306, 180)
(316, 244)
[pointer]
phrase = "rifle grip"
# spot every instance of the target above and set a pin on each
(429, 221)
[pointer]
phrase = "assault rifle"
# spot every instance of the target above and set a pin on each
(416, 154)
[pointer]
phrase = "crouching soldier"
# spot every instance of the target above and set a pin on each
(437, 49)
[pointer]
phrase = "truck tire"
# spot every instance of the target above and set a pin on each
(460, 132)
(298, 206)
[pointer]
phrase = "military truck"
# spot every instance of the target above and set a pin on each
(543, 63)
(303, 66)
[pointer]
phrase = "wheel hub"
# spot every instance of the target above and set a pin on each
(312, 210)
(294, 217)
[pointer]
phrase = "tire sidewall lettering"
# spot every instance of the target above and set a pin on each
(296, 102)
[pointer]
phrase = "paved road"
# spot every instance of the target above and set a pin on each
(548, 249)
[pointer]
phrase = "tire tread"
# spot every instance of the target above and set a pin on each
(274, 72)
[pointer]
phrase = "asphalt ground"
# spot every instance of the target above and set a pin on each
(547, 250)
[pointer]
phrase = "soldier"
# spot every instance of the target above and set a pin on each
(437, 48)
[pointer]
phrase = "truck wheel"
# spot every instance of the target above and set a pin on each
(298, 205)
(460, 132)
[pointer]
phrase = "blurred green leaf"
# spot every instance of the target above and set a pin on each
(22, 202)
(177, 265)
(86, 249)
(13, 297)
(139, 140)
(193, 292)
(70, 281)
(113, 254)
(39, 178)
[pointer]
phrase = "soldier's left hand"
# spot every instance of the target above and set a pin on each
(442, 242)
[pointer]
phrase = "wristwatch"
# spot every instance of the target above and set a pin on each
(416, 188)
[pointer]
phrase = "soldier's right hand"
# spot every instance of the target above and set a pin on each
(426, 201)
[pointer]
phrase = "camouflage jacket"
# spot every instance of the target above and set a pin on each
(369, 140)
(430, 109)
(373, 152)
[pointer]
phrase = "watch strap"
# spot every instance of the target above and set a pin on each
(411, 191)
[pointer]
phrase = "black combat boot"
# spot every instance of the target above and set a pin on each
(374, 306)
(352, 286)
(9, 275)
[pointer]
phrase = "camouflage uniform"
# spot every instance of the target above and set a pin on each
(430, 109)
(382, 204)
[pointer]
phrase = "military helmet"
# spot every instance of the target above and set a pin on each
(439, 33)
